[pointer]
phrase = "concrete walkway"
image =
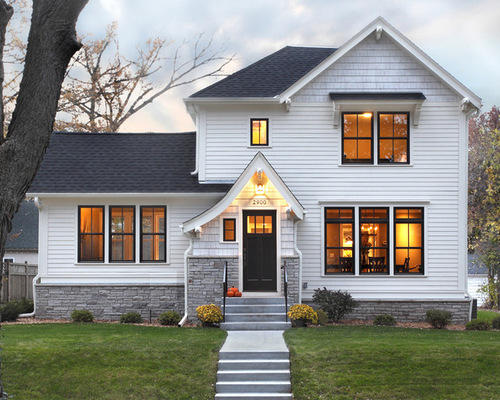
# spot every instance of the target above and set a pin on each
(254, 365)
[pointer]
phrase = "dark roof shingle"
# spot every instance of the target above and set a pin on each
(269, 76)
(24, 233)
(121, 163)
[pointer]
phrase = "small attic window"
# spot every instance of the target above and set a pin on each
(259, 135)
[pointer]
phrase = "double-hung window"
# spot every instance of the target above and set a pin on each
(357, 138)
(153, 234)
(229, 229)
(393, 132)
(259, 132)
(409, 240)
(91, 233)
(374, 234)
(122, 234)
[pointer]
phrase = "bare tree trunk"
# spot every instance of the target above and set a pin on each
(51, 44)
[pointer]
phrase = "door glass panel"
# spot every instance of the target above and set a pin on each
(259, 224)
(250, 224)
(268, 224)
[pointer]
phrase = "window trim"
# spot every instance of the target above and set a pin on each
(224, 219)
(141, 234)
(267, 144)
(421, 221)
(110, 240)
(371, 161)
(381, 161)
(387, 248)
(325, 238)
(80, 260)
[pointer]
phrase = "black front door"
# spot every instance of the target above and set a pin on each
(259, 250)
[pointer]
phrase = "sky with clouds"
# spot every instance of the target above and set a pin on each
(463, 36)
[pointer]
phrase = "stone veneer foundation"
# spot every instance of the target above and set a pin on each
(108, 301)
(410, 310)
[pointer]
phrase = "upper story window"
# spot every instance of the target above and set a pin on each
(357, 138)
(91, 233)
(259, 135)
(393, 132)
(229, 226)
(409, 240)
(122, 234)
(339, 240)
(153, 234)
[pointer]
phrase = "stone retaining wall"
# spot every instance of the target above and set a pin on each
(108, 301)
(410, 310)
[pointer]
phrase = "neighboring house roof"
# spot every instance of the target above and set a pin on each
(269, 76)
(475, 266)
(121, 163)
(24, 233)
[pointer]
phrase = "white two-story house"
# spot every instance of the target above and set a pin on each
(348, 164)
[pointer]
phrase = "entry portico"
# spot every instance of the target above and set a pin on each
(252, 228)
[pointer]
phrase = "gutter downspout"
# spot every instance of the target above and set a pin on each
(300, 258)
(186, 254)
(38, 204)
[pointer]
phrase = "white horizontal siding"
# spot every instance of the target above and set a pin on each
(60, 263)
(376, 65)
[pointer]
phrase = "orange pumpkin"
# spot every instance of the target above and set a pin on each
(237, 294)
(233, 289)
(230, 293)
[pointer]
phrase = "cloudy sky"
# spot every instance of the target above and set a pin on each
(463, 36)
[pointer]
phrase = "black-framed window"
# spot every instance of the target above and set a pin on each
(259, 132)
(339, 241)
(122, 233)
(229, 229)
(357, 138)
(153, 233)
(393, 138)
(91, 233)
(409, 240)
(374, 245)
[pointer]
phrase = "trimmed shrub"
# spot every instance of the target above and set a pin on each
(477, 325)
(10, 311)
(171, 318)
(26, 306)
(322, 317)
(131, 317)
(495, 323)
(82, 316)
(335, 303)
(439, 319)
(384, 320)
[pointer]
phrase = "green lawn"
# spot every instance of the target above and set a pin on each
(109, 361)
(485, 315)
(365, 362)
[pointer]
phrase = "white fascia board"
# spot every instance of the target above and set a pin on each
(230, 100)
(259, 161)
(123, 195)
(396, 35)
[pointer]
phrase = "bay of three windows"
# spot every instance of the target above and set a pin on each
(373, 252)
(392, 138)
(121, 233)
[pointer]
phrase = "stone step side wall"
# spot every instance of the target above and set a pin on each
(108, 302)
(292, 267)
(409, 310)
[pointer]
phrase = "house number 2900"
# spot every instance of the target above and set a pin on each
(259, 202)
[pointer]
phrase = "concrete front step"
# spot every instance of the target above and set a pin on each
(255, 326)
(255, 317)
(245, 365)
(253, 396)
(254, 355)
(254, 387)
(255, 300)
(254, 375)
(255, 308)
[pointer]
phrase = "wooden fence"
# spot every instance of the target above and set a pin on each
(17, 281)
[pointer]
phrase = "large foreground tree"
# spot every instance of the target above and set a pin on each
(52, 41)
(484, 197)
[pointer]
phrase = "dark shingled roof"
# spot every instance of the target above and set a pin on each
(24, 233)
(269, 76)
(121, 163)
(377, 96)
